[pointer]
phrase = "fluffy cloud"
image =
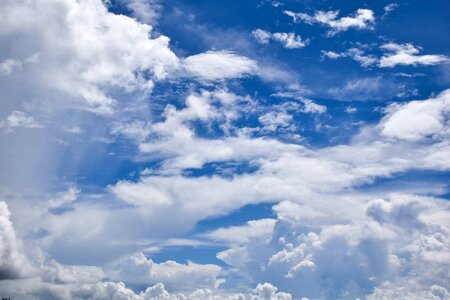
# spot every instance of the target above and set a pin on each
(50, 279)
(288, 40)
(137, 270)
(417, 120)
(219, 65)
(394, 54)
(61, 34)
(13, 264)
(407, 54)
(330, 255)
(242, 234)
(362, 19)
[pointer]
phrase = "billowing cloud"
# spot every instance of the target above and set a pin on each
(417, 120)
(77, 49)
(13, 263)
(329, 255)
(137, 270)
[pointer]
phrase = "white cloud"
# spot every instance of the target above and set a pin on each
(389, 8)
(242, 234)
(362, 19)
(219, 65)
(407, 54)
(312, 107)
(19, 119)
(309, 106)
(272, 121)
(417, 120)
(77, 49)
(146, 11)
(13, 263)
(50, 279)
(332, 54)
(329, 255)
(354, 53)
(138, 270)
(394, 54)
(289, 40)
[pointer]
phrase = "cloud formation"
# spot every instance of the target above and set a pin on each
(362, 19)
(407, 54)
(288, 40)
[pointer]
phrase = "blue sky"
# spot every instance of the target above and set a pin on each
(179, 149)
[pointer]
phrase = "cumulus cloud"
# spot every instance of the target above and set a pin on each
(417, 120)
(407, 54)
(50, 279)
(362, 19)
(13, 263)
(219, 65)
(288, 40)
(330, 255)
(137, 270)
(78, 49)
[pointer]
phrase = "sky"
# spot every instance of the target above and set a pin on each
(246, 150)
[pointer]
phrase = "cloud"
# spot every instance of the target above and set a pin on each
(19, 119)
(242, 234)
(417, 120)
(354, 53)
(362, 19)
(13, 263)
(389, 8)
(137, 270)
(288, 40)
(394, 55)
(57, 53)
(406, 54)
(50, 279)
(272, 121)
(309, 106)
(219, 65)
(330, 255)
(146, 11)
